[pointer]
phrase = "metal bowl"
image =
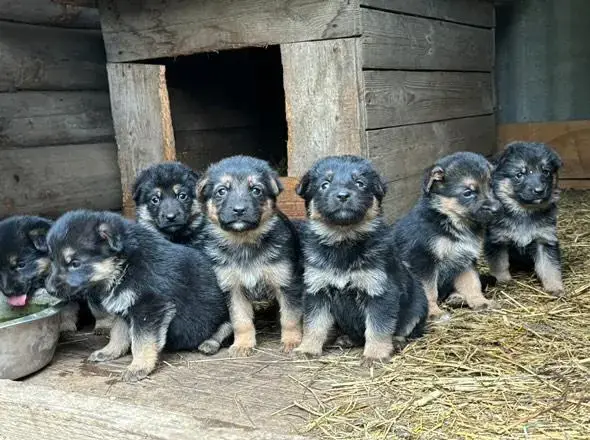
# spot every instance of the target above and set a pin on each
(28, 344)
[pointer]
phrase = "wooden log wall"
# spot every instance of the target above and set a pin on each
(428, 87)
(57, 150)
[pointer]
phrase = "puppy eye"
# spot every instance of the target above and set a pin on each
(546, 173)
(519, 175)
(255, 191)
(75, 264)
(222, 191)
(21, 265)
(155, 200)
(325, 185)
(360, 183)
(468, 193)
(182, 196)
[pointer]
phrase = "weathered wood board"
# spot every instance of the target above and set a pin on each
(405, 151)
(48, 58)
(325, 113)
(403, 97)
(473, 12)
(401, 196)
(143, 126)
(32, 119)
(52, 180)
(571, 139)
(395, 41)
(50, 13)
(138, 30)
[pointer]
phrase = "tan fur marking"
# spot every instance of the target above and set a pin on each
(315, 334)
(201, 186)
(12, 260)
(291, 332)
(227, 180)
(118, 345)
(548, 272)
(176, 188)
(378, 347)
(242, 318)
(268, 210)
(431, 290)
(68, 317)
(500, 266)
(245, 237)
(43, 265)
(68, 253)
(314, 214)
(145, 352)
(158, 191)
(105, 270)
(471, 184)
(468, 287)
(212, 212)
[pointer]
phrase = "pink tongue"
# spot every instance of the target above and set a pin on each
(17, 301)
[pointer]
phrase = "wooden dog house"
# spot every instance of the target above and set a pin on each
(401, 82)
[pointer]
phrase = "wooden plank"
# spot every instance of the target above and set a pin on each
(138, 30)
(401, 196)
(400, 97)
(55, 413)
(405, 151)
(325, 114)
(143, 126)
(474, 12)
(574, 184)
(393, 41)
(571, 139)
(31, 119)
(80, 3)
(289, 202)
(50, 13)
(48, 58)
(55, 179)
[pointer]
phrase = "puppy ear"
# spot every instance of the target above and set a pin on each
(203, 189)
(276, 185)
(139, 181)
(432, 175)
(554, 159)
(39, 238)
(113, 238)
(380, 188)
(303, 185)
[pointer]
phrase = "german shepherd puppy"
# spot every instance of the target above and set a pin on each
(525, 236)
(441, 238)
(164, 295)
(351, 274)
(254, 247)
(166, 201)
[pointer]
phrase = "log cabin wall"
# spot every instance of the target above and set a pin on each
(57, 149)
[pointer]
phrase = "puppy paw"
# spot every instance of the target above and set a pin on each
(209, 347)
(290, 341)
(556, 291)
(502, 277)
(306, 351)
(240, 350)
(399, 343)
(485, 304)
(135, 374)
(455, 301)
(369, 362)
(435, 313)
(67, 327)
(344, 341)
(101, 331)
(101, 356)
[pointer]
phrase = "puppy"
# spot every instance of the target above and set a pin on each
(166, 201)
(351, 274)
(254, 247)
(441, 238)
(525, 236)
(163, 294)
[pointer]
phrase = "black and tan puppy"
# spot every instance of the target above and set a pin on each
(164, 295)
(165, 198)
(352, 276)
(525, 234)
(441, 238)
(254, 247)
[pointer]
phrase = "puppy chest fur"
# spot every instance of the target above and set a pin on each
(257, 280)
(369, 281)
(521, 232)
(459, 251)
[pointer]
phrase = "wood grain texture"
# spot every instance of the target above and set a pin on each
(404, 151)
(136, 30)
(52, 180)
(325, 112)
(141, 116)
(48, 58)
(574, 184)
(394, 41)
(571, 140)
(50, 13)
(31, 119)
(396, 98)
(401, 196)
(289, 202)
(474, 12)
(58, 414)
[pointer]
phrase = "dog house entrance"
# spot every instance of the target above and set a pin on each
(228, 103)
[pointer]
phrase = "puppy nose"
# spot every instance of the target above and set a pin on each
(239, 209)
(170, 216)
(494, 207)
(343, 196)
(539, 189)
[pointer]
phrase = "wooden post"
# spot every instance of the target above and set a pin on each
(141, 116)
(323, 100)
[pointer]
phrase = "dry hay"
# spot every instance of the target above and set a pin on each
(519, 372)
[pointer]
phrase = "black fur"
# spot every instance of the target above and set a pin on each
(165, 198)
(440, 238)
(164, 294)
(525, 182)
(254, 247)
(352, 276)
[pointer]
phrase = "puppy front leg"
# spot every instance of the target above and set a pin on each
(118, 343)
(213, 344)
(104, 321)
(318, 321)
(548, 267)
(499, 261)
(69, 318)
(291, 315)
(380, 324)
(468, 286)
(430, 287)
(241, 314)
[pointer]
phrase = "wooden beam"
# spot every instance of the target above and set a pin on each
(571, 140)
(50, 13)
(52, 180)
(400, 97)
(474, 12)
(405, 151)
(325, 112)
(138, 30)
(401, 196)
(141, 116)
(394, 41)
(48, 58)
(289, 202)
(32, 119)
